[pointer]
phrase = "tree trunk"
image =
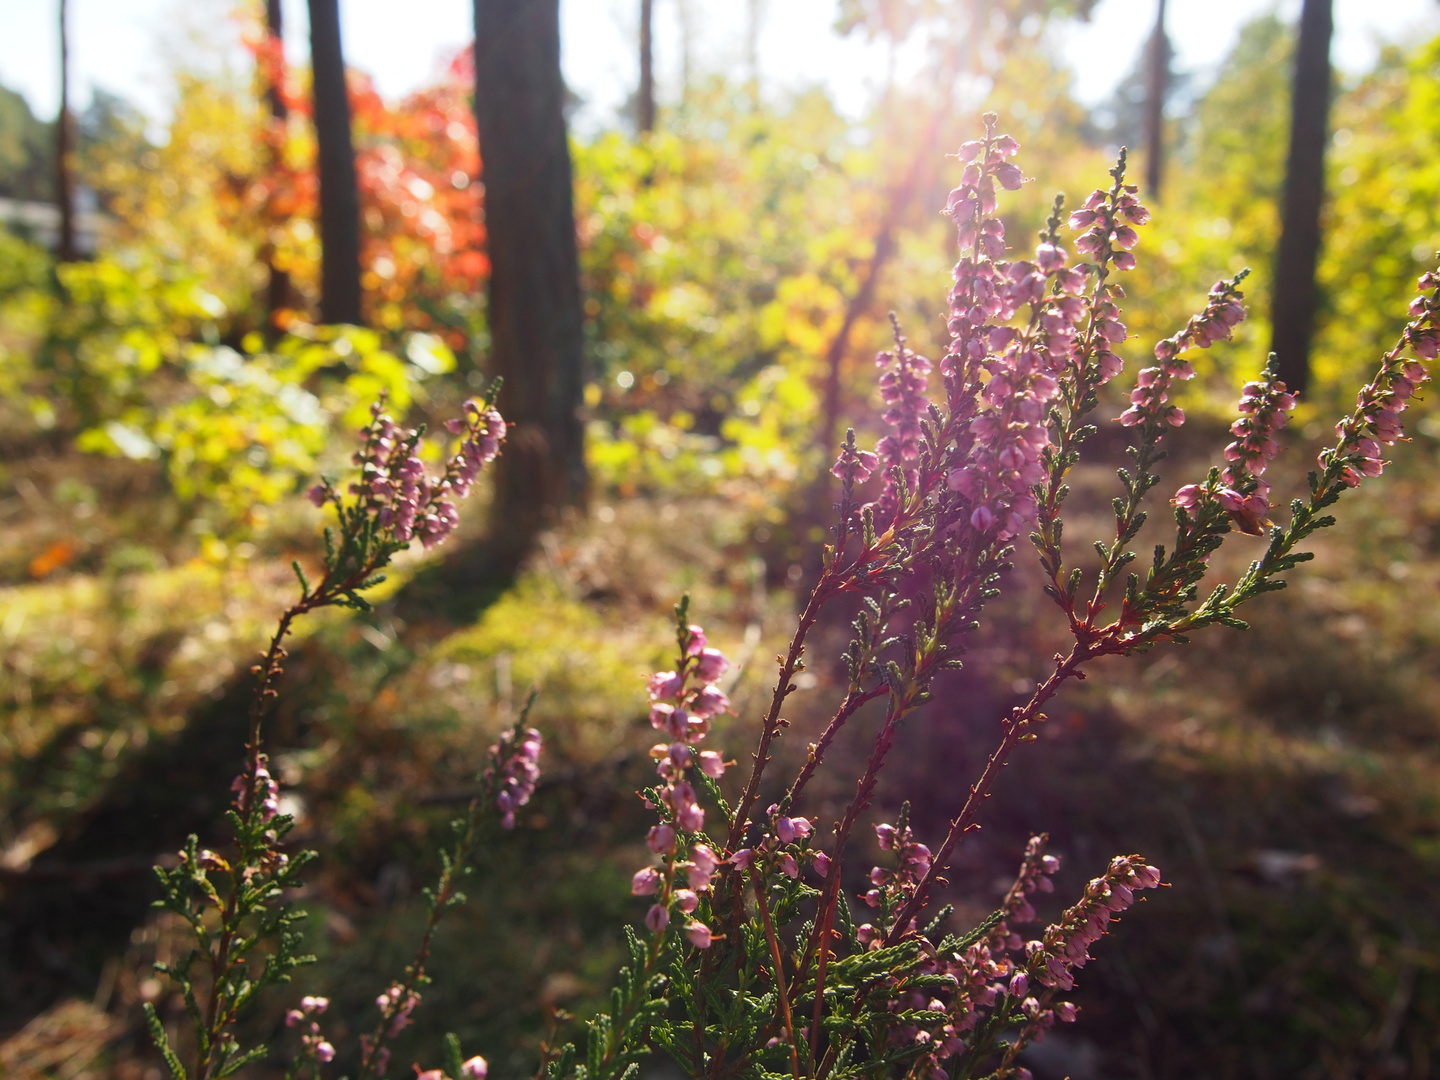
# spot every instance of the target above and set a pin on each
(275, 32)
(1155, 104)
(536, 330)
(64, 149)
(339, 197)
(645, 106)
(1293, 310)
(277, 292)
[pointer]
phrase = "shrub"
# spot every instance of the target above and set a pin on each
(753, 961)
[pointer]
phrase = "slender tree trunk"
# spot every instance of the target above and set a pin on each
(64, 149)
(536, 329)
(275, 31)
(1293, 312)
(277, 291)
(645, 106)
(1159, 76)
(339, 197)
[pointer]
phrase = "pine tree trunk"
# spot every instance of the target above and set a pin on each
(275, 30)
(1155, 104)
(64, 149)
(277, 291)
(1293, 310)
(645, 106)
(536, 328)
(339, 197)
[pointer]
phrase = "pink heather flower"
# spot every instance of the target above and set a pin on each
(711, 665)
(821, 864)
(704, 858)
(701, 868)
(699, 935)
(661, 839)
(657, 918)
(696, 645)
(1065, 1011)
(318, 494)
(886, 835)
(665, 684)
(646, 882)
(1019, 985)
(785, 829)
(687, 900)
(710, 701)
(677, 723)
(293, 1017)
(690, 817)
(429, 1074)
(742, 859)
(788, 866)
(314, 1004)
(712, 764)
(855, 466)
(517, 772)
(267, 795)
(1188, 497)
(1146, 877)
(660, 716)
(474, 1069)
(325, 1052)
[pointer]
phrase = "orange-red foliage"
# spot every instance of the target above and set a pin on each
(417, 163)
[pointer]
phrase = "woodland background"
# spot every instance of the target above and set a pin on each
(684, 306)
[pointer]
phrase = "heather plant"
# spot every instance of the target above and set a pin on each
(236, 905)
(760, 955)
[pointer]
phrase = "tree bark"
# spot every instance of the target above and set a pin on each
(1293, 309)
(1155, 104)
(536, 329)
(64, 149)
(275, 31)
(339, 196)
(645, 105)
(277, 291)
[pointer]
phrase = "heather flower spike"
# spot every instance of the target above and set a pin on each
(683, 702)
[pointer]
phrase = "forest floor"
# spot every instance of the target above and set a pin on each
(1286, 779)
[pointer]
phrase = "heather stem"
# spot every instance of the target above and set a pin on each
(780, 989)
(1016, 727)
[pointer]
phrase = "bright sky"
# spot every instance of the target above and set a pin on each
(122, 45)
